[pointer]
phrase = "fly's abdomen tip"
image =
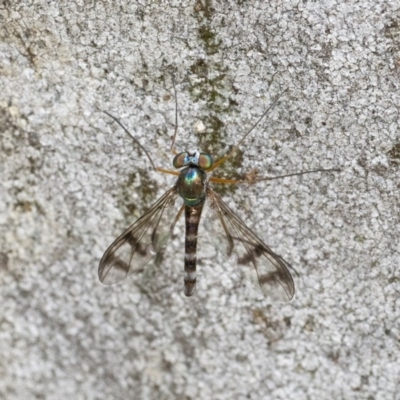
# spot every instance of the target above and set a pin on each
(190, 287)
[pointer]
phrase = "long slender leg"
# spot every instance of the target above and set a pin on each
(172, 148)
(223, 159)
(167, 171)
(133, 137)
(242, 181)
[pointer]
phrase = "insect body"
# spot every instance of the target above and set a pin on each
(191, 186)
(134, 249)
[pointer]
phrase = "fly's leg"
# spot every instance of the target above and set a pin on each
(172, 148)
(223, 159)
(255, 180)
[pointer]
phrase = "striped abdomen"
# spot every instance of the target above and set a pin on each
(192, 220)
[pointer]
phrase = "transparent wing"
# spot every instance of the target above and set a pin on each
(131, 251)
(251, 256)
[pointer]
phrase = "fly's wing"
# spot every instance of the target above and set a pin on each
(140, 242)
(250, 255)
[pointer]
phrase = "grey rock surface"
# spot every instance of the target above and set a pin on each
(71, 181)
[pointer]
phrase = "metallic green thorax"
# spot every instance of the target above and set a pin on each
(191, 185)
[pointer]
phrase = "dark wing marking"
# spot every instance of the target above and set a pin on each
(251, 256)
(131, 251)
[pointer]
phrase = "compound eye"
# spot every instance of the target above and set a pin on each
(205, 161)
(179, 160)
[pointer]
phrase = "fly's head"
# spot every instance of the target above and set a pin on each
(193, 158)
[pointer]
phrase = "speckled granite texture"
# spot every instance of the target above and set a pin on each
(71, 180)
